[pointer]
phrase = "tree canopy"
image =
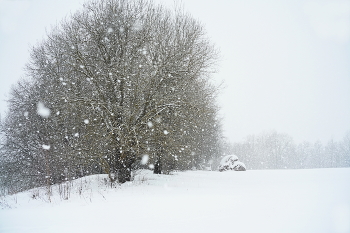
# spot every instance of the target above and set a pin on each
(113, 82)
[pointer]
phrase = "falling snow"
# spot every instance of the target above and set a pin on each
(46, 147)
(144, 159)
(42, 110)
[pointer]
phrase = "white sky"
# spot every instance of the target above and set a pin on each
(285, 63)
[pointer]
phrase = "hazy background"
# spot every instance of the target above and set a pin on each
(285, 63)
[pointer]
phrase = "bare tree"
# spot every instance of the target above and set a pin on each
(120, 79)
(275, 151)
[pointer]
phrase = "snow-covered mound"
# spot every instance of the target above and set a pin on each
(271, 201)
(86, 188)
(231, 162)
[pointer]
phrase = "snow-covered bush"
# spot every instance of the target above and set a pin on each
(231, 162)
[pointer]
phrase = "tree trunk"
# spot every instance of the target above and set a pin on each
(157, 167)
(124, 175)
(124, 168)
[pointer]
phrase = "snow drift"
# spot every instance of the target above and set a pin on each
(271, 201)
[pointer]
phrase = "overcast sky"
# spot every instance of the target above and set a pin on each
(285, 63)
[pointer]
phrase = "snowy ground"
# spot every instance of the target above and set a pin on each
(315, 200)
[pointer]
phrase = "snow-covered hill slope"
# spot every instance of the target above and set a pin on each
(315, 200)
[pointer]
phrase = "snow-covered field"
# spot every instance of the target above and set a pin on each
(315, 200)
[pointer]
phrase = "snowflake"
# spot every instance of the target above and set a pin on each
(42, 110)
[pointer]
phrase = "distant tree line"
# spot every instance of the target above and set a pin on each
(274, 150)
(113, 82)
